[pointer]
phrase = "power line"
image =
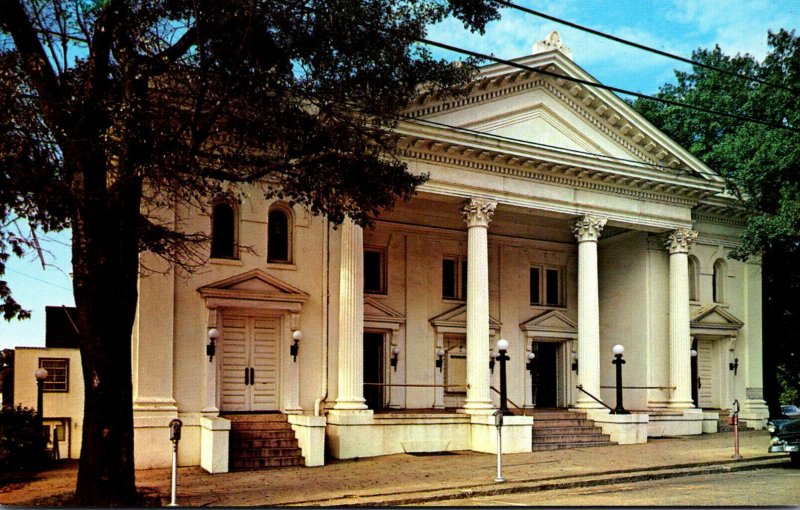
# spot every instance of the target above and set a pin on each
(670, 102)
(37, 279)
(645, 48)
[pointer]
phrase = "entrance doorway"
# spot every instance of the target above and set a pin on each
(545, 376)
(373, 370)
(249, 363)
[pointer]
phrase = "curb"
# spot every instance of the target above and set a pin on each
(546, 484)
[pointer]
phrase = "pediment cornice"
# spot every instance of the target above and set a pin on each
(253, 285)
(377, 314)
(551, 324)
(455, 320)
(600, 107)
(714, 320)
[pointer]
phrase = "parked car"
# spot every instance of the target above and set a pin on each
(785, 434)
(789, 410)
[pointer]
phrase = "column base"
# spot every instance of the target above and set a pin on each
(588, 404)
(350, 405)
(477, 408)
(680, 404)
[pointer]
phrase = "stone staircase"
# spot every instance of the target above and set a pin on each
(262, 441)
(557, 429)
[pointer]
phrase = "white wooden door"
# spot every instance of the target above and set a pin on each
(707, 389)
(249, 371)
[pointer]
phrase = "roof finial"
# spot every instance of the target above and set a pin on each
(552, 42)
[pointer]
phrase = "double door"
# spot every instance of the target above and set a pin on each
(249, 363)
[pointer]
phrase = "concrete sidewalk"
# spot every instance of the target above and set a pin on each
(409, 478)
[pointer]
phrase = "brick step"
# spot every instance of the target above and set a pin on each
(260, 418)
(241, 464)
(561, 423)
(256, 425)
(288, 442)
(572, 438)
(563, 446)
(250, 453)
(555, 431)
(262, 434)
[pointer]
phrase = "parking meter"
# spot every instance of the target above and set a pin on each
(498, 422)
(736, 454)
(175, 430)
(498, 419)
(174, 436)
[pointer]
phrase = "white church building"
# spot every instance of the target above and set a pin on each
(555, 217)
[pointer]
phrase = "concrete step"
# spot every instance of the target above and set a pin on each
(563, 446)
(561, 423)
(572, 438)
(558, 415)
(258, 453)
(262, 434)
(288, 442)
(259, 418)
(242, 464)
(259, 425)
(554, 431)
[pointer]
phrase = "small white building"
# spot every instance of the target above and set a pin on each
(62, 393)
(555, 217)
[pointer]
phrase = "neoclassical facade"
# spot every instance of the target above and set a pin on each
(555, 217)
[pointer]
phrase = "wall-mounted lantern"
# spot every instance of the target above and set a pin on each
(211, 348)
(439, 358)
(693, 353)
(530, 365)
(734, 365)
(296, 336)
(575, 362)
(492, 356)
(395, 355)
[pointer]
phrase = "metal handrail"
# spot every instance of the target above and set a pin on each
(580, 387)
(641, 387)
(509, 401)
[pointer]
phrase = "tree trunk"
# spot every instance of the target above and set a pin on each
(105, 263)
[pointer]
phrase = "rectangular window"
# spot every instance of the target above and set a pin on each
(548, 291)
(57, 374)
(449, 278)
(536, 288)
(375, 270)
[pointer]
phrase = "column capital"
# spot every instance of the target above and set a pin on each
(680, 240)
(478, 212)
(588, 227)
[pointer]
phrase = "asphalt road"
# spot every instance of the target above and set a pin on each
(775, 487)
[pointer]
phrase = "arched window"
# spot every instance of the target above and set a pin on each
(279, 235)
(693, 272)
(223, 231)
(718, 282)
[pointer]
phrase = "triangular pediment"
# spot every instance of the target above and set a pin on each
(377, 314)
(254, 285)
(552, 324)
(455, 321)
(553, 111)
(714, 319)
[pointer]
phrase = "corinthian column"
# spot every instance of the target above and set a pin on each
(478, 213)
(351, 319)
(587, 231)
(680, 343)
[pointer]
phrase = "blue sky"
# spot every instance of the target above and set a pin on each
(677, 26)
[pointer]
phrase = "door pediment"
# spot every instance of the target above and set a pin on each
(255, 288)
(455, 321)
(714, 320)
(378, 315)
(550, 324)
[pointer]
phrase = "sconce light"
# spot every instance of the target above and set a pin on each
(734, 366)
(693, 353)
(529, 365)
(211, 348)
(575, 362)
(440, 358)
(395, 354)
(492, 356)
(296, 336)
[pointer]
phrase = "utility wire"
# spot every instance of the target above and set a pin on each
(645, 48)
(670, 102)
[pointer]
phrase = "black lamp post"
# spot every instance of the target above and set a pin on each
(502, 347)
(618, 361)
(40, 374)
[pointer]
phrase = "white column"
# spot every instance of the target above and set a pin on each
(587, 230)
(351, 320)
(680, 341)
(478, 213)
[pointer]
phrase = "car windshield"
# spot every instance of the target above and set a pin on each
(790, 410)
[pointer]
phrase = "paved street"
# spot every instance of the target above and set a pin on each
(773, 487)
